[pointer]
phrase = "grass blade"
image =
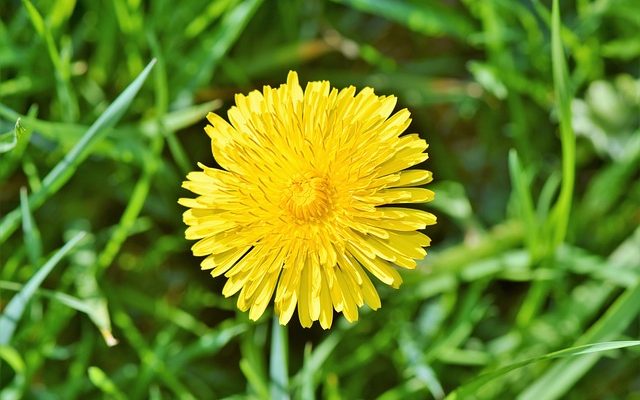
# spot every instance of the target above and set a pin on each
(62, 298)
(32, 239)
(16, 306)
(252, 363)
(562, 210)
(149, 358)
(464, 391)
(68, 102)
(312, 364)
(85, 271)
(150, 166)
(427, 18)
(521, 184)
(23, 136)
(207, 344)
(15, 389)
(562, 376)
(9, 140)
(101, 380)
(227, 32)
(278, 361)
(254, 378)
(65, 169)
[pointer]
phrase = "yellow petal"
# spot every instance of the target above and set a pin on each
(326, 307)
(222, 262)
(304, 303)
(414, 177)
(349, 307)
(264, 293)
(406, 195)
(379, 268)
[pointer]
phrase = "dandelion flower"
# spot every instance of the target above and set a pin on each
(304, 207)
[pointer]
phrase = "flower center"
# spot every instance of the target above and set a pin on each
(307, 198)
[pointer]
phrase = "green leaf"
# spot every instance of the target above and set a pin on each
(15, 308)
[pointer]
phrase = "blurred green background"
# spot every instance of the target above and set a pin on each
(534, 130)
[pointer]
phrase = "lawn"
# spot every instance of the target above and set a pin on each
(531, 286)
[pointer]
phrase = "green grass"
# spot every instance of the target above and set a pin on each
(531, 289)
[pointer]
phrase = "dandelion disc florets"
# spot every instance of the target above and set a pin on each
(304, 207)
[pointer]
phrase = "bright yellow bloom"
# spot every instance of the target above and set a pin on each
(305, 201)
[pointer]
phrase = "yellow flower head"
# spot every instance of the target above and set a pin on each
(305, 200)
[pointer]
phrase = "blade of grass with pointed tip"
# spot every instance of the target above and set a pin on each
(562, 210)
(65, 169)
(23, 136)
(9, 140)
(464, 391)
(15, 308)
(563, 375)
